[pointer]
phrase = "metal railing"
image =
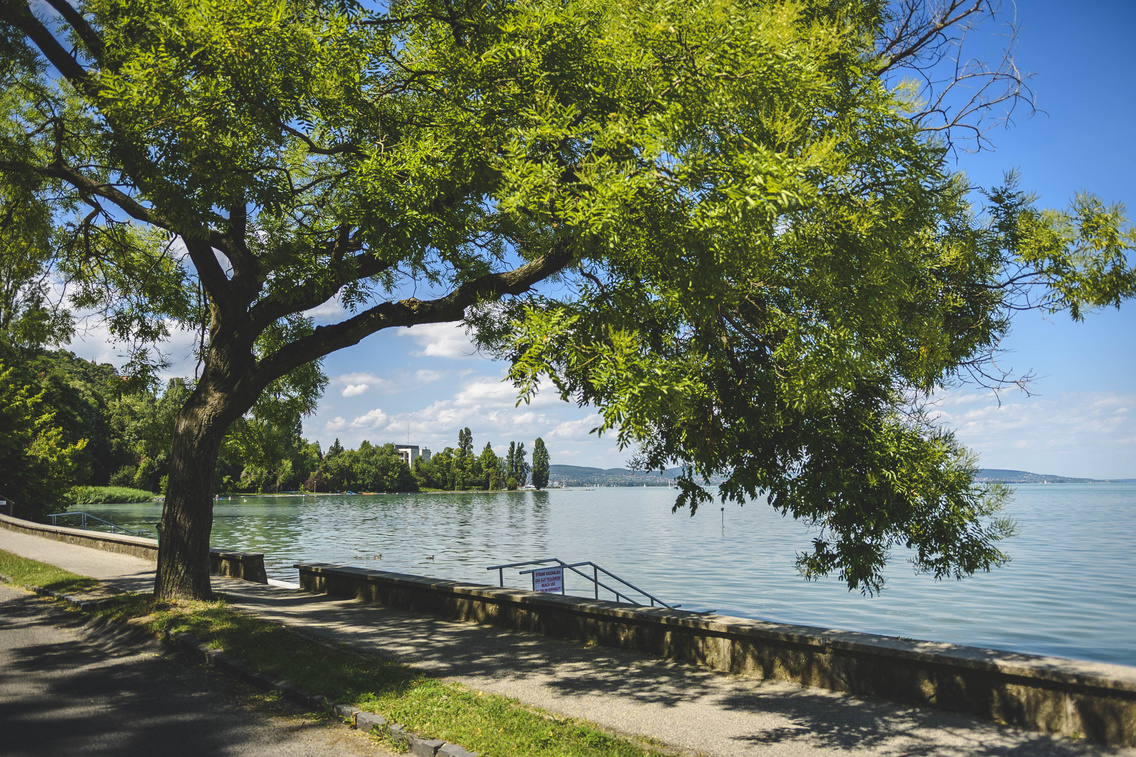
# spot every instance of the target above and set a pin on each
(114, 528)
(594, 578)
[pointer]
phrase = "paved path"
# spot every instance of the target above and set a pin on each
(69, 689)
(698, 711)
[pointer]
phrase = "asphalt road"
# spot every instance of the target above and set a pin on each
(68, 689)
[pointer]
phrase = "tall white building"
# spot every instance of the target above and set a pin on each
(411, 452)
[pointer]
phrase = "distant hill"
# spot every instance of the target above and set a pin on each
(1024, 477)
(576, 475)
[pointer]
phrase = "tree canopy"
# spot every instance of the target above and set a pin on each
(762, 258)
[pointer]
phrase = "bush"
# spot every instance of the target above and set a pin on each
(124, 476)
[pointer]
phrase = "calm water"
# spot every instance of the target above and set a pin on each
(1069, 591)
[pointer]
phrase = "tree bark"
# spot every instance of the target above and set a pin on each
(187, 518)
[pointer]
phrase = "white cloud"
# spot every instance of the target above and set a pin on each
(355, 384)
(372, 420)
(436, 426)
(331, 311)
(456, 398)
(580, 428)
(487, 390)
(425, 376)
(444, 340)
(93, 341)
(959, 399)
(355, 378)
(496, 392)
(1072, 434)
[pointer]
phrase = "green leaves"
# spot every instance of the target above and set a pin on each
(200, 95)
(39, 464)
(801, 274)
(1080, 255)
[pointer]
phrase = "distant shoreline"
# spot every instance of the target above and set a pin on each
(592, 478)
(579, 476)
(998, 475)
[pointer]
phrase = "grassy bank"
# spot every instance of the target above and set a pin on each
(492, 725)
(105, 495)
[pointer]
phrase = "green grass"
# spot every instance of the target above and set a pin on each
(36, 574)
(492, 725)
(103, 495)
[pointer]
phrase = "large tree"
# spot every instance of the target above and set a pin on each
(762, 256)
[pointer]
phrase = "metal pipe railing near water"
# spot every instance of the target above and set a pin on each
(114, 527)
(594, 578)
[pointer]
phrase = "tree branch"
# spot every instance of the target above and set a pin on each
(958, 92)
(88, 186)
(313, 148)
(19, 14)
(82, 29)
(352, 269)
(412, 312)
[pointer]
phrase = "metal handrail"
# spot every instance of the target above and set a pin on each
(594, 578)
(114, 527)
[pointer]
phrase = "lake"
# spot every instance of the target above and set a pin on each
(1069, 591)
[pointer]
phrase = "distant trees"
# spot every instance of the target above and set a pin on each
(370, 468)
(68, 422)
(141, 427)
(492, 468)
(458, 469)
(56, 419)
(516, 469)
(37, 460)
(540, 464)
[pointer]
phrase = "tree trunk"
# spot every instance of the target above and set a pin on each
(187, 518)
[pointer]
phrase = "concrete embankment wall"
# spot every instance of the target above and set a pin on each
(1093, 700)
(222, 562)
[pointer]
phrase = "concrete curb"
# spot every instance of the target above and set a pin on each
(187, 644)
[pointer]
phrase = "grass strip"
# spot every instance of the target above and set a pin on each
(492, 725)
(31, 574)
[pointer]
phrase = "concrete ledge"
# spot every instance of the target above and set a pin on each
(248, 566)
(222, 562)
(1070, 697)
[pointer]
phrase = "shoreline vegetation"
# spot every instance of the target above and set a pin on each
(110, 439)
(106, 495)
(587, 479)
(431, 708)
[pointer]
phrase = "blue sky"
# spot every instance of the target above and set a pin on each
(426, 383)
(1079, 420)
